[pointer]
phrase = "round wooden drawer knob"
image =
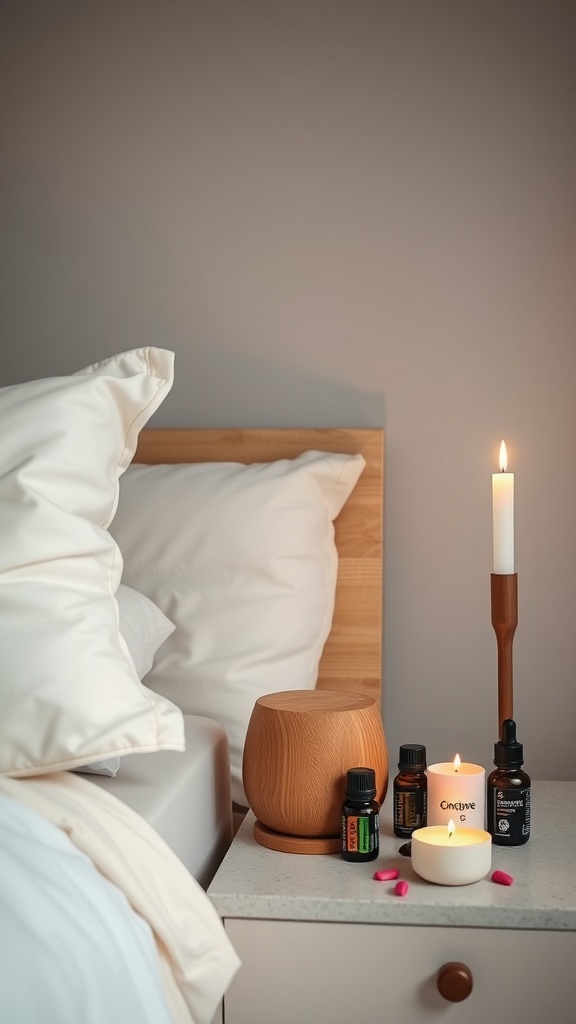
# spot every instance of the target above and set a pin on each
(454, 981)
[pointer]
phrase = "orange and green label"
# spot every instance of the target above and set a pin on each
(361, 833)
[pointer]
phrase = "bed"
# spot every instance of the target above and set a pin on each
(141, 842)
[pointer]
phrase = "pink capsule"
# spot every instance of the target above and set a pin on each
(386, 876)
(401, 888)
(502, 878)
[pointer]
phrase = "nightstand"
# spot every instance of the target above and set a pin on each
(320, 940)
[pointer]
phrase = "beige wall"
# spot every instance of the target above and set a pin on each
(336, 213)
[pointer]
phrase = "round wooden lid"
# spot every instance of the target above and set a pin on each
(314, 700)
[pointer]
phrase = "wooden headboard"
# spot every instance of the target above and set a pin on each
(352, 657)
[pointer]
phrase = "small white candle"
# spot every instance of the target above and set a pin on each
(449, 855)
(503, 517)
(456, 790)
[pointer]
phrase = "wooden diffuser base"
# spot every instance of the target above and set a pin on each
(299, 746)
(283, 843)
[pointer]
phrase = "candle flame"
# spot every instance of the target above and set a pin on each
(457, 762)
(503, 458)
(451, 828)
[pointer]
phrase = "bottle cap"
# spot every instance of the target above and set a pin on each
(508, 753)
(412, 757)
(360, 784)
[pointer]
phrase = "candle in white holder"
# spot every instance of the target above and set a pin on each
(503, 517)
(449, 855)
(456, 790)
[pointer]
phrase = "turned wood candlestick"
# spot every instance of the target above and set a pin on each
(504, 600)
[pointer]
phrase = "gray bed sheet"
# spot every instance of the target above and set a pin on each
(184, 796)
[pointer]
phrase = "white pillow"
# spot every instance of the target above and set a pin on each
(242, 559)
(70, 693)
(109, 767)
(144, 628)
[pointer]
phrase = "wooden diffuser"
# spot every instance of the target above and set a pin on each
(299, 746)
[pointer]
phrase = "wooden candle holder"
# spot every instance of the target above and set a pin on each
(504, 601)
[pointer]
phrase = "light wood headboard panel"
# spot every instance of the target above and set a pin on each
(352, 658)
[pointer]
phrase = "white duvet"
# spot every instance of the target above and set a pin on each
(100, 923)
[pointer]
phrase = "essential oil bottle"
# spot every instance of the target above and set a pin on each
(360, 816)
(508, 791)
(410, 790)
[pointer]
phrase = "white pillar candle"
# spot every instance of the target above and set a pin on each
(448, 855)
(457, 791)
(503, 517)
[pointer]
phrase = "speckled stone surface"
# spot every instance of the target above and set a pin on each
(254, 882)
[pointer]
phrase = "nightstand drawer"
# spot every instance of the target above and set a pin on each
(311, 971)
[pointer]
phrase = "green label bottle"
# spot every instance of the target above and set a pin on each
(360, 816)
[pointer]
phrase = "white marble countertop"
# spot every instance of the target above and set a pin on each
(254, 882)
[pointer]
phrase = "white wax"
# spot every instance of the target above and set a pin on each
(463, 857)
(456, 794)
(503, 522)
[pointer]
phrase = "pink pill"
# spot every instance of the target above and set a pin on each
(401, 888)
(386, 876)
(502, 878)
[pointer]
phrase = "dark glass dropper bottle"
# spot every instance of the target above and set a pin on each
(508, 791)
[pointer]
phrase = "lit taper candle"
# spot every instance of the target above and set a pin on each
(503, 517)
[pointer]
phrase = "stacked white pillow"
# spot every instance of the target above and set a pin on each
(69, 690)
(144, 628)
(242, 559)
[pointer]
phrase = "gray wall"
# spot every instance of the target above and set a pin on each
(336, 213)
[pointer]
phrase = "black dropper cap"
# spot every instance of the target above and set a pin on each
(508, 753)
(360, 784)
(412, 757)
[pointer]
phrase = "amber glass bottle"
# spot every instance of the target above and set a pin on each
(410, 790)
